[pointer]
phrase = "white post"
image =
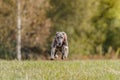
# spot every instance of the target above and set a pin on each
(19, 31)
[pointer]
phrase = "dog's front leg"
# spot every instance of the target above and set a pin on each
(53, 53)
(64, 52)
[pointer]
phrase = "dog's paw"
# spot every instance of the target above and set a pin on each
(52, 59)
(64, 57)
(56, 56)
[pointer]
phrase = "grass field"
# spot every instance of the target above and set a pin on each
(60, 70)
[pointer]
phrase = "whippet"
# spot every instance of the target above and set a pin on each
(60, 43)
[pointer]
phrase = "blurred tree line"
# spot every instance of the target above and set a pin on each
(92, 26)
(7, 29)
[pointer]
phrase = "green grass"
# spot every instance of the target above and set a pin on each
(60, 70)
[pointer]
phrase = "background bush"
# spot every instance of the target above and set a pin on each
(92, 26)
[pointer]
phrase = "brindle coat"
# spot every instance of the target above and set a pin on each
(60, 43)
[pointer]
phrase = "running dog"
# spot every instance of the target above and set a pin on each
(60, 43)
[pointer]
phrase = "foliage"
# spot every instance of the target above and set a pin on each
(92, 26)
(34, 31)
(7, 28)
(35, 27)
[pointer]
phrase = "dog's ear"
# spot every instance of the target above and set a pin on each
(57, 33)
(65, 36)
(63, 33)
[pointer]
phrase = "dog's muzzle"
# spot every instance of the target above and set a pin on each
(59, 44)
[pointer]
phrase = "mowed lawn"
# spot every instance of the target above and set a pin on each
(60, 70)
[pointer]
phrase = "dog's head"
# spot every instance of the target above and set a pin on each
(60, 38)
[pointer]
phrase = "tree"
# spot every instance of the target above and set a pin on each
(19, 30)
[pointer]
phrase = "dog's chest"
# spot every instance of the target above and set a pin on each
(59, 48)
